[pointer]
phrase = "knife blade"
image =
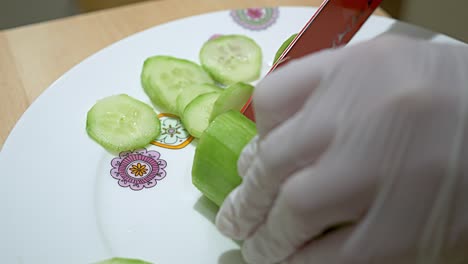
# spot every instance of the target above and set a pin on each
(333, 25)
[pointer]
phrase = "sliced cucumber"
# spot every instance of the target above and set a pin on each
(163, 78)
(232, 58)
(214, 170)
(122, 261)
(232, 98)
(187, 95)
(283, 47)
(197, 113)
(120, 123)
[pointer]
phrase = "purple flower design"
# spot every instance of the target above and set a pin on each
(138, 169)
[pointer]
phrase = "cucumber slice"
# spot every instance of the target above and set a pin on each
(233, 98)
(187, 95)
(163, 78)
(197, 113)
(214, 170)
(232, 58)
(122, 261)
(120, 123)
(283, 47)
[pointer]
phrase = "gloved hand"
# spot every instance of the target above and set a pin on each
(373, 136)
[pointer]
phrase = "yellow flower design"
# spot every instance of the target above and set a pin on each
(138, 169)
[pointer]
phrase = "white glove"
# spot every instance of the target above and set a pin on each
(374, 135)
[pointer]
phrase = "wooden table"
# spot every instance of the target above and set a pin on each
(32, 57)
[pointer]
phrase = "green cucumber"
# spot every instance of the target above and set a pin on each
(121, 123)
(214, 170)
(122, 261)
(184, 98)
(283, 47)
(164, 77)
(232, 98)
(197, 113)
(232, 58)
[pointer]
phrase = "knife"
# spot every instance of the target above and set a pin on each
(332, 25)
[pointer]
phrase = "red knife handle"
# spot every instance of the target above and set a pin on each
(333, 25)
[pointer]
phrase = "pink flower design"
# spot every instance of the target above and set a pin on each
(255, 13)
(151, 169)
(255, 18)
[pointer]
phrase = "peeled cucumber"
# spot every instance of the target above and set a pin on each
(214, 170)
(196, 116)
(193, 91)
(121, 123)
(164, 78)
(206, 107)
(232, 98)
(232, 58)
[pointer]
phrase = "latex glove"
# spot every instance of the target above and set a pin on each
(374, 135)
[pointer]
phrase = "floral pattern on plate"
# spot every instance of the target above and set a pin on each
(173, 133)
(255, 18)
(138, 169)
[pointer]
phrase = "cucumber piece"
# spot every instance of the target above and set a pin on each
(214, 169)
(232, 98)
(164, 77)
(121, 123)
(283, 47)
(197, 113)
(187, 95)
(122, 261)
(232, 58)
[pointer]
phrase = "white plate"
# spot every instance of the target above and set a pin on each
(59, 202)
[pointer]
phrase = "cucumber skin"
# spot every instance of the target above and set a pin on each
(214, 170)
(226, 80)
(153, 92)
(283, 47)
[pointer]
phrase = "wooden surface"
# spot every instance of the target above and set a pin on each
(32, 57)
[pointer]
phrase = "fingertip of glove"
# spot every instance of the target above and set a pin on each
(252, 254)
(224, 219)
